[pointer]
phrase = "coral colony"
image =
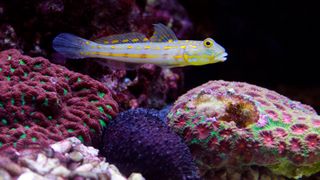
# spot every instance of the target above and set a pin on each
(138, 141)
(234, 124)
(42, 103)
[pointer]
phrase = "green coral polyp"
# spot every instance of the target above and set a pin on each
(12, 69)
(21, 62)
(102, 123)
(101, 94)
(23, 136)
(101, 109)
(4, 121)
(46, 102)
(65, 91)
(38, 66)
(108, 106)
(80, 138)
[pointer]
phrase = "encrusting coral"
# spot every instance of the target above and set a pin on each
(41, 103)
(235, 125)
(139, 141)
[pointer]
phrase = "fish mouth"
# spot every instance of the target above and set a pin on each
(222, 57)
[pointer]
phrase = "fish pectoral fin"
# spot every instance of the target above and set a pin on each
(116, 65)
(162, 34)
(133, 37)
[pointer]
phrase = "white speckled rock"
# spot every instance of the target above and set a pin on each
(76, 156)
(63, 160)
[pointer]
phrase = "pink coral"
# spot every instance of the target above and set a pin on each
(253, 126)
(42, 103)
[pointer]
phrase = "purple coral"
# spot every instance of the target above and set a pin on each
(139, 141)
(41, 103)
(254, 126)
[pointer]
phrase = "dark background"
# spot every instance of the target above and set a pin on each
(270, 43)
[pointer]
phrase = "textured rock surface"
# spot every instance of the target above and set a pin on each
(151, 87)
(67, 159)
(30, 25)
(41, 103)
(139, 141)
(233, 124)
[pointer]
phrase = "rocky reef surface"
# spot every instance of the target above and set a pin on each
(66, 159)
(234, 125)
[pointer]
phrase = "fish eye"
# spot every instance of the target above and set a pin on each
(208, 42)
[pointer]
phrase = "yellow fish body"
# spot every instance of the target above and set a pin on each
(163, 49)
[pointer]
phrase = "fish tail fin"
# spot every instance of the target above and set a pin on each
(70, 46)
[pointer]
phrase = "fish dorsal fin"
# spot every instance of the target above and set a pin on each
(133, 37)
(162, 34)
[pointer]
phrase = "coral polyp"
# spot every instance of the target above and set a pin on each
(234, 125)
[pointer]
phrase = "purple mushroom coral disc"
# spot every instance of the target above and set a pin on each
(234, 124)
(41, 103)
